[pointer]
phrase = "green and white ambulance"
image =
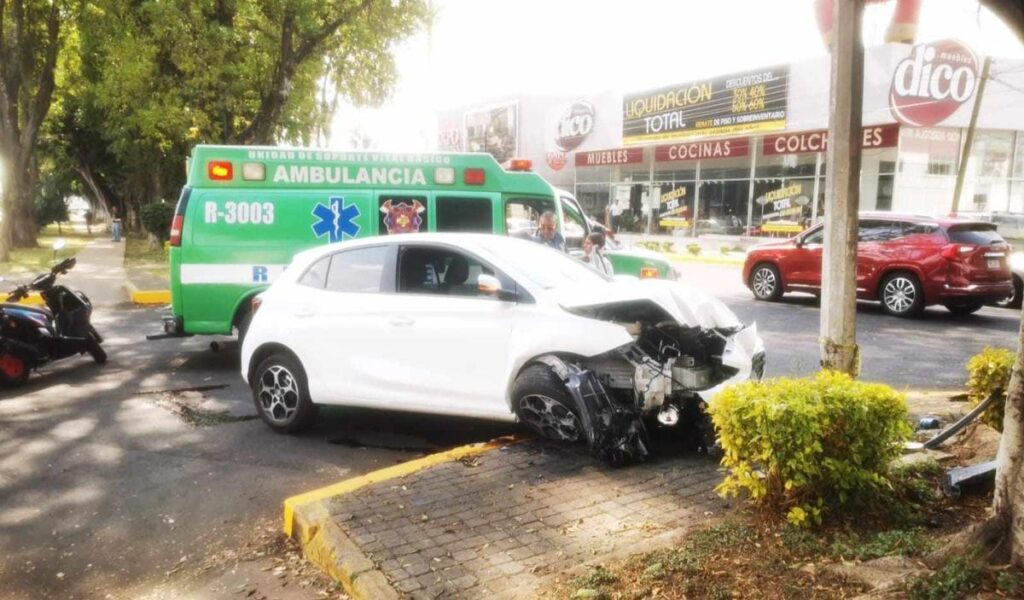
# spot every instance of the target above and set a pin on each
(246, 211)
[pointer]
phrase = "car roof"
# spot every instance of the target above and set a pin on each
(942, 221)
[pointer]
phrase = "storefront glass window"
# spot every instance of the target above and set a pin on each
(926, 172)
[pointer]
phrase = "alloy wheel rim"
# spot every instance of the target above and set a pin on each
(552, 418)
(764, 282)
(900, 294)
(278, 394)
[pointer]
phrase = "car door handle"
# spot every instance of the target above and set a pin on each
(402, 321)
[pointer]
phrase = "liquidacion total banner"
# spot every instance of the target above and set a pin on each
(753, 101)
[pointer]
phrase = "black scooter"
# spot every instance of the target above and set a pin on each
(31, 336)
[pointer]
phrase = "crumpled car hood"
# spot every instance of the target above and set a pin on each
(687, 305)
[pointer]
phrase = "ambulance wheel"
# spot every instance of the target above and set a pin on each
(281, 394)
(13, 369)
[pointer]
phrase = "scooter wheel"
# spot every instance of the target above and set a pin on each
(94, 349)
(13, 370)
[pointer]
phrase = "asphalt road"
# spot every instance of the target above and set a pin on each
(117, 482)
(929, 352)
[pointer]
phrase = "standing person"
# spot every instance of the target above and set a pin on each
(547, 232)
(616, 211)
(88, 221)
(115, 225)
(593, 253)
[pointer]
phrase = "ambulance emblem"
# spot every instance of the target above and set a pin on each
(336, 220)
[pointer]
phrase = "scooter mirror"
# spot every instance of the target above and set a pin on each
(59, 244)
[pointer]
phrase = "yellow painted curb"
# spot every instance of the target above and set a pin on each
(715, 260)
(400, 470)
(33, 300)
(151, 297)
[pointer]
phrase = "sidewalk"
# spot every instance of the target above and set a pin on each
(99, 272)
(501, 523)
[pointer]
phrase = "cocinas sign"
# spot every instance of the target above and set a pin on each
(742, 103)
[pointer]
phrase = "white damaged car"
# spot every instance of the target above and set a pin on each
(491, 327)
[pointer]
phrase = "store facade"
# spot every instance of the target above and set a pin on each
(745, 153)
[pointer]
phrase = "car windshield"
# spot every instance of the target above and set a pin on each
(543, 266)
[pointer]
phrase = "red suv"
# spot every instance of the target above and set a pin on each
(905, 262)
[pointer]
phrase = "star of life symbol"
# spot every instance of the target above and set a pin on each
(336, 220)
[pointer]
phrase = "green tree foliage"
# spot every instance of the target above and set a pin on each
(157, 217)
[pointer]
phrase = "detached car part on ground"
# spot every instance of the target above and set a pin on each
(490, 327)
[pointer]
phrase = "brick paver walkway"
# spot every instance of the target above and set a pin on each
(497, 525)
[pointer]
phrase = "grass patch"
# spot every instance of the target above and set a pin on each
(32, 261)
(894, 542)
(955, 579)
(138, 251)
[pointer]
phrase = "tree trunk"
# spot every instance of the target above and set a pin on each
(1008, 503)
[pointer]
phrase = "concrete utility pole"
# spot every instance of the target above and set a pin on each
(965, 154)
(842, 196)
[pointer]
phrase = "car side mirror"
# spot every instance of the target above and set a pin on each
(799, 241)
(489, 285)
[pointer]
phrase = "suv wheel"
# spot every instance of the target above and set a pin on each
(765, 282)
(281, 395)
(542, 403)
(965, 308)
(901, 295)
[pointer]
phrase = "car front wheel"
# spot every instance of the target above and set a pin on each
(281, 394)
(765, 282)
(542, 403)
(901, 295)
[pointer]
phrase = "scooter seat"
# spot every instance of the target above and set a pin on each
(42, 310)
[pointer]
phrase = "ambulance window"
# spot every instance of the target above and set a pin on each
(522, 215)
(464, 214)
(316, 275)
(359, 270)
(402, 214)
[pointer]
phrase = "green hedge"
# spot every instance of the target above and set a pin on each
(988, 372)
(804, 448)
(157, 217)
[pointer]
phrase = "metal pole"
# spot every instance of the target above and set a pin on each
(696, 199)
(750, 192)
(817, 183)
(842, 183)
(966, 155)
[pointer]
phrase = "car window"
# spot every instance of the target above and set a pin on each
(815, 237)
(441, 271)
(464, 214)
(358, 270)
(316, 275)
(573, 227)
(522, 214)
(974, 233)
(918, 228)
(876, 231)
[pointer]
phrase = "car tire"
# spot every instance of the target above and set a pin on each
(962, 309)
(1013, 300)
(765, 282)
(281, 394)
(543, 405)
(901, 294)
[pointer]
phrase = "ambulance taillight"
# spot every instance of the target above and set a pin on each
(176, 226)
(219, 170)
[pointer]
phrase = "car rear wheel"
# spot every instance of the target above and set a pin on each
(281, 394)
(542, 403)
(1014, 299)
(964, 308)
(901, 295)
(765, 282)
